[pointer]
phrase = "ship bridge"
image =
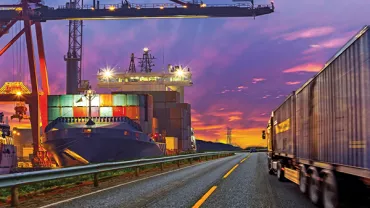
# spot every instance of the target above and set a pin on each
(175, 79)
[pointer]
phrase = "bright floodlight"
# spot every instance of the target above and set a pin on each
(107, 72)
(180, 73)
(146, 49)
(19, 93)
(112, 8)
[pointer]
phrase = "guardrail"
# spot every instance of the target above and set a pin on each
(17, 179)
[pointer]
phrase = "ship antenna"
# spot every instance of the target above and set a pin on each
(146, 63)
(90, 95)
(132, 68)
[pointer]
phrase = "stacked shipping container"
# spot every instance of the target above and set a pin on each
(135, 106)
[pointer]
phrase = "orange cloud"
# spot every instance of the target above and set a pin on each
(304, 68)
(234, 118)
(308, 33)
(292, 83)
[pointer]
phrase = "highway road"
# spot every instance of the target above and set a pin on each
(237, 181)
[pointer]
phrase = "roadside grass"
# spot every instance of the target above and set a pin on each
(47, 186)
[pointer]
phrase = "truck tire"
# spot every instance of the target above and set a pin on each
(280, 172)
(269, 166)
(330, 191)
(303, 180)
(314, 186)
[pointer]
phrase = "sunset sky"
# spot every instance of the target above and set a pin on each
(242, 68)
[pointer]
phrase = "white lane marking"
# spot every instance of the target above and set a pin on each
(112, 187)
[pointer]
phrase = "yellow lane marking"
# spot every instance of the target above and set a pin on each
(204, 197)
(245, 158)
(232, 169)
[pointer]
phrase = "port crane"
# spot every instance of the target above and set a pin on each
(37, 100)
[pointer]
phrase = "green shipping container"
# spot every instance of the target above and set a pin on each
(53, 100)
(79, 101)
(53, 113)
(67, 112)
(119, 99)
(106, 112)
(66, 100)
(132, 100)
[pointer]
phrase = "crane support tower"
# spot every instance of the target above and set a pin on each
(74, 82)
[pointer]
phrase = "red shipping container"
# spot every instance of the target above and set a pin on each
(79, 111)
(133, 112)
(119, 111)
(94, 111)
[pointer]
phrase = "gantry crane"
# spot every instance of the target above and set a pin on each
(37, 100)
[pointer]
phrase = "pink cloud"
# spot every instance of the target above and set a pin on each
(304, 68)
(255, 80)
(292, 83)
(308, 33)
(332, 43)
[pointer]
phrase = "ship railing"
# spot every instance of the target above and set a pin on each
(17, 179)
(122, 119)
(164, 6)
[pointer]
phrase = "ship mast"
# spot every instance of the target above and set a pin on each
(90, 95)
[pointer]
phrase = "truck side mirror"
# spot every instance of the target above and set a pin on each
(263, 134)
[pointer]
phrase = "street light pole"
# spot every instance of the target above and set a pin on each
(90, 95)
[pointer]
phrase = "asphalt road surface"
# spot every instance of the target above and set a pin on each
(237, 181)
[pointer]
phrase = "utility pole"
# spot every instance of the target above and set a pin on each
(228, 135)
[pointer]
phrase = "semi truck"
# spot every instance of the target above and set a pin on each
(319, 137)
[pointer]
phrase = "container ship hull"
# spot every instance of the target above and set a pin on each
(74, 146)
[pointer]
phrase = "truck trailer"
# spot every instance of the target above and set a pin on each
(319, 137)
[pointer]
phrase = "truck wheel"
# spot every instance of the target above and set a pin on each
(303, 180)
(269, 166)
(280, 172)
(330, 191)
(314, 188)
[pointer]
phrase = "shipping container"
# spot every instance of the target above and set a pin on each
(320, 136)
(106, 112)
(80, 101)
(119, 111)
(284, 127)
(94, 111)
(172, 143)
(155, 125)
(105, 100)
(119, 99)
(80, 111)
(54, 113)
(177, 113)
(53, 100)
(133, 112)
(143, 101)
(132, 100)
(67, 112)
(95, 101)
(66, 100)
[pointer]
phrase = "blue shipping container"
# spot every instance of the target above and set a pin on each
(53, 113)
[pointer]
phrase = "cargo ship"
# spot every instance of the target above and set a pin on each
(110, 131)
(8, 155)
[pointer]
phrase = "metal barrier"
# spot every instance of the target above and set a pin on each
(17, 179)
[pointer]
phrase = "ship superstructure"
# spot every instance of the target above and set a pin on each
(176, 78)
(171, 116)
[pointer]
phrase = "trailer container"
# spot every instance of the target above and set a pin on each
(319, 137)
